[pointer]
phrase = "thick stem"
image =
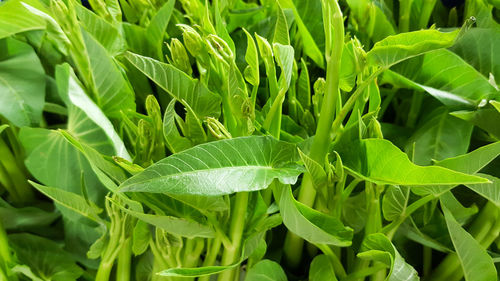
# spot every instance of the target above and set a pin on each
(322, 138)
(211, 256)
(231, 254)
(426, 12)
(404, 15)
(124, 259)
(104, 271)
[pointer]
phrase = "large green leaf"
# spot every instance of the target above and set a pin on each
(371, 19)
(479, 48)
(156, 28)
(311, 225)
(221, 167)
(485, 117)
(488, 191)
(476, 263)
(16, 18)
(173, 225)
(381, 162)
(310, 47)
(22, 84)
(70, 200)
(397, 48)
(55, 162)
(86, 121)
(453, 81)
(473, 161)
(45, 258)
(113, 92)
(185, 89)
(266, 270)
(440, 136)
(395, 202)
(321, 269)
(379, 248)
(104, 32)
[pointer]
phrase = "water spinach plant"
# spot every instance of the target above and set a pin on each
(322, 140)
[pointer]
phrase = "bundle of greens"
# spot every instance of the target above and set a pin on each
(230, 140)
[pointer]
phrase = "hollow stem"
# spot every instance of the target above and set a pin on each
(322, 138)
(231, 254)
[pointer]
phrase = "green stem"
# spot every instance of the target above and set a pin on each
(404, 15)
(211, 257)
(104, 271)
(416, 104)
(322, 138)
(24, 192)
(5, 257)
(336, 263)
(124, 259)
(374, 221)
(426, 12)
(427, 260)
(231, 254)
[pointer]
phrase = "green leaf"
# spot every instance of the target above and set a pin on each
(185, 89)
(440, 136)
(174, 141)
(44, 257)
(197, 271)
(266, 270)
(321, 269)
(473, 161)
(113, 92)
(371, 18)
(381, 162)
(310, 47)
(221, 167)
(311, 225)
(284, 55)
(490, 191)
(86, 121)
(16, 18)
(70, 200)
(478, 47)
(453, 82)
(23, 218)
(157, 26)
(395, 201)
(55, 162)
(174, 225)
(397, 48)
(140, 238)
(476, 263)
(252, 58)
(317, 172)
(22, 84)
(281, 29)
(379, 248)
(486, 118)
(104, 32)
